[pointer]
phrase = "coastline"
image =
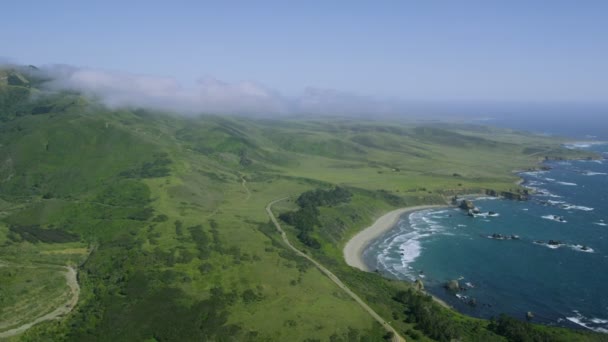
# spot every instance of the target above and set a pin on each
(354, 248)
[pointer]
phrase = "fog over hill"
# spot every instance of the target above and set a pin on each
(208, 95)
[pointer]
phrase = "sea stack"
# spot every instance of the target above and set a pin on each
(452, 286)
(467, 205)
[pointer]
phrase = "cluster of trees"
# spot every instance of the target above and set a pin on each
(429, 317)
(201, 239)
(36, 234)
(304, 220)
(158, 167)
(129, 294)
(307, 217)
(516, 330)
(440, 325)
(320, 197)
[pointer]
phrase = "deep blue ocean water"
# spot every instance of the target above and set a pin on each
(565, 284)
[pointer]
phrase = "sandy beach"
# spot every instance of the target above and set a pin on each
(353, 251)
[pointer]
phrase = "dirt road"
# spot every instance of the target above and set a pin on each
(65, 308)
(330, 275)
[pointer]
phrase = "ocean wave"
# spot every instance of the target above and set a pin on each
(566, 206)
(552, 245)
(407, 243)
(486, 215)
(567, 183)
(540, 192)
(558, 244)
(591, 173)
(582, 248)
(576, 146)
(576, 207)
(584, 144)
(573, 146)
(534, 173)
(594, 323)
(535, 183)
(486, 198)
(410, 250)
(600, 224)
(554, 218)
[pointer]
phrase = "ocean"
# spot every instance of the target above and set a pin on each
(506, 261)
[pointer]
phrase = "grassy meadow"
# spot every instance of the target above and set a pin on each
(163, 217)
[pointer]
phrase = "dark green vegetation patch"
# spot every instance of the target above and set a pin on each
(36, 234)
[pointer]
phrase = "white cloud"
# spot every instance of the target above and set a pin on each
(209, 95)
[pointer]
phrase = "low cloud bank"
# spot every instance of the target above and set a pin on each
(208, 95)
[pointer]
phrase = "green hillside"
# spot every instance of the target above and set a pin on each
(163, 218)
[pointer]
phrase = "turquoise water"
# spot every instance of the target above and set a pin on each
(565, 284)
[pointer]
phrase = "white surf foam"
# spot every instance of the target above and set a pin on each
(534, 173)
(576, 207)
(486, 215)
(553, 218)
(553, 246)
(567, 206)
(410, 250)
(485, 198)
(600, 224)
(573, 146)
(408, 242)
(535, 183)
(591, 173)
(540, 192)
(579, 248)
(567, 183)
(589, 323)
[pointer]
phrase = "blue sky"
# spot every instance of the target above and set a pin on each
(411, 50)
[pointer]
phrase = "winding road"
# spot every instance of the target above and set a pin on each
(331, 276)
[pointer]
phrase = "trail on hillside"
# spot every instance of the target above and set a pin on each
(63, 309)
(244, 184)
(331, 276)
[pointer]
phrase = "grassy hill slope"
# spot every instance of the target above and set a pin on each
(164, 216)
